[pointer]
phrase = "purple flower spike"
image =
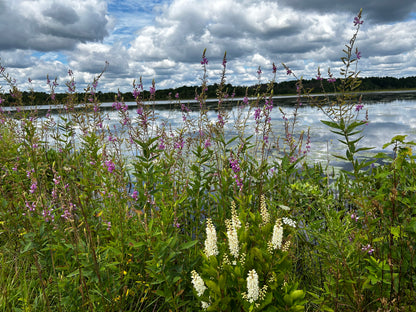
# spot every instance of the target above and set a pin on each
(354, 217)
(357, 21)
(134, 195)
(136, 93)
(259, 71)
(33, 187)
(207, 143)
(359, 107)
(110, 166)
(368, 249)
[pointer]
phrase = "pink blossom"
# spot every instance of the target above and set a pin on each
(179, 145)
(33, 187)
(368, 249)
(110, 166)
(207, 143)
(354, 217)
(257, 113)
(134, 195)
(220, 120)
(259, 71)
(358, 21)
(162, 144)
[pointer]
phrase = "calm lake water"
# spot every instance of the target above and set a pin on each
(387, 118)
(389, 115)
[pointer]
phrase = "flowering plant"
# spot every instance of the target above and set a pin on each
(249, 269)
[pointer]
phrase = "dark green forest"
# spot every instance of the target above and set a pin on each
(188, 92)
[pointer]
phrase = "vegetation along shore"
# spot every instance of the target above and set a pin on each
(141, 216)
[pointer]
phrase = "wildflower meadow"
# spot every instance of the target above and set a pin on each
(142, 216)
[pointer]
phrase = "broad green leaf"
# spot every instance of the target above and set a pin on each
(188, 245)
(331, 124)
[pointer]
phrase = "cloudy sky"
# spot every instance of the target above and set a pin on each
(164, 39)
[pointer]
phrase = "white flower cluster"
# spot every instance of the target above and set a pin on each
(289, 222)
(277, 235)
(211, 248)
(286, 246)
(204, 305)
(284, 207)
(263, 210)
(253, 293)
(243, 258)
(198, 283)
(232, 238)
(234, 217)
(252, 286)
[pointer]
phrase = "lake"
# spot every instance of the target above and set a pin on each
(391, 115)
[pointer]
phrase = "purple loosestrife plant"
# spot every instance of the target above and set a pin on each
(110, 166)
(343, 112)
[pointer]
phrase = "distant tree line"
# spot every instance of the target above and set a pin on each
(189, 92)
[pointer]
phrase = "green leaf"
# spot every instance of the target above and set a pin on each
(232, 140)
(340, 157)
(188, 245)
(331, 124)
(364, 149)
(411, 227)
(337, 132)
(297, 294)
(74, 273)
(395, 140)
(213, 286)
(28, 247)
(354, 125)
(288, 300)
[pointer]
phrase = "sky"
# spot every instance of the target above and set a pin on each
(164, 40)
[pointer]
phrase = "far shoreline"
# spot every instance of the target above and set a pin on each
(377, 95)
